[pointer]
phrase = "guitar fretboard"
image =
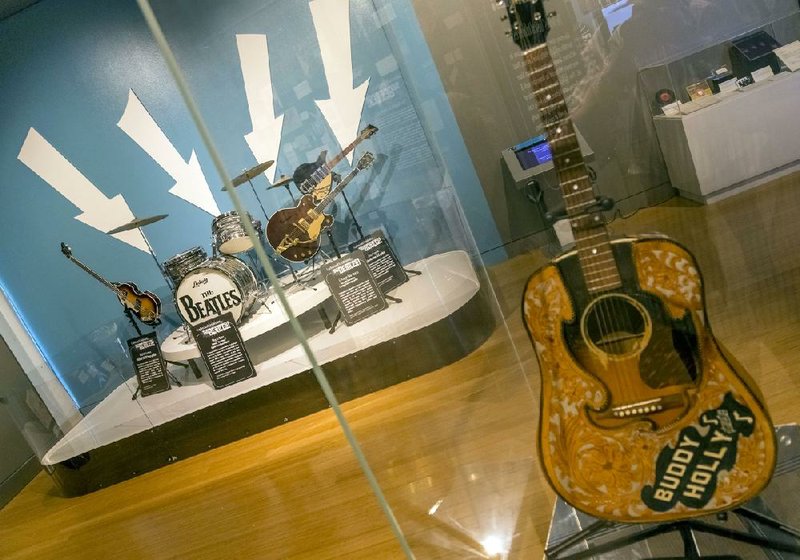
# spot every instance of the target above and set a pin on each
(591, 237)
(94, 275)
(339, 188)
(324, 170)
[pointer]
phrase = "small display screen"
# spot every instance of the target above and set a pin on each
(535, 151)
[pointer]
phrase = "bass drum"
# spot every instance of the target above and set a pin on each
(219, 285)
(228, 236)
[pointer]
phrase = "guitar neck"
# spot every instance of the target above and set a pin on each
(94, 275)
(325, 169)
(591, 237)
(325, 202)
(344, 153)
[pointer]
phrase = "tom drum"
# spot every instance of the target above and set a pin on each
(229, 236)
(181, 264)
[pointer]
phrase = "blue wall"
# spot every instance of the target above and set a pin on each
(66, 70)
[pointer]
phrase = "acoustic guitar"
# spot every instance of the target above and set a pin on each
(643, 417)
(145, 305)
(294, 232)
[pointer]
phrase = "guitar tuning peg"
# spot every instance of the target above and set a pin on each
(552, 14)
(504, 17)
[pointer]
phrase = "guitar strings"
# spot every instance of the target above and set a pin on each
(617, 318)
(607, 317)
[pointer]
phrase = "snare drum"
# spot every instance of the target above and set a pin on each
(228, 235)
(178, 266)
(219, 285)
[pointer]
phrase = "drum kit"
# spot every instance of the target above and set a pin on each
(204, 286)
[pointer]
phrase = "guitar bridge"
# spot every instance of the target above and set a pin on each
(638, 409)
(645, 407)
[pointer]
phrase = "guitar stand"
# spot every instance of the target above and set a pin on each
(685, 529)
(298, 281)
(129, 315)
(187, 364)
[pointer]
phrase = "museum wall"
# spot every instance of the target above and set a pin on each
(598, 47)
(80, 78)
(18, 463)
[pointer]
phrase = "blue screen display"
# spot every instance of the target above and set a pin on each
(535, 151)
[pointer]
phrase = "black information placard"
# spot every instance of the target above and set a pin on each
(382, 261)
(353, 287)
(151, 369)
(222, 350)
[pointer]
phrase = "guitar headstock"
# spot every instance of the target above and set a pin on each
(66, 250)
(365, 161)
(528, 21)
(368, 131)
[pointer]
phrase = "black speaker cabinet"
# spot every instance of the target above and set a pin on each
(754, 51)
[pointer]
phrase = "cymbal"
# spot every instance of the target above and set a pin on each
(251, 173)
(137, 223)
(281, 182)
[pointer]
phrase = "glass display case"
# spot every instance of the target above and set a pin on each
(356, 278)
(733, 97)
(710, 67)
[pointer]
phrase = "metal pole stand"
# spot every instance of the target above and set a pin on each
(353, 216)
(333, 244)
(686, 530)
(158, 263)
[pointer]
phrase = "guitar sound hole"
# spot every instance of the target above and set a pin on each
(616, 325)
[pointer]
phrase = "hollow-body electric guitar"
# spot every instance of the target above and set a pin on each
(145, 305)
(644, 418)
(294, 232)
(315, 177)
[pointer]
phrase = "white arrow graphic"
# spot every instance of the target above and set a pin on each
(343, 109)
(99, 212)
(190, 183)
(265, 139)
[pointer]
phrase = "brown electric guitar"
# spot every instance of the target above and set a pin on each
(644, 417)
(145, 305)
(294, 232)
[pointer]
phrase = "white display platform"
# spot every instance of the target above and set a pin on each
(268, 316)
(748, 137)
(448, 281)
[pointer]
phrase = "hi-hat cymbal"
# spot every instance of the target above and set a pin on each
(137, 223)
(281, 182)
(250, 173)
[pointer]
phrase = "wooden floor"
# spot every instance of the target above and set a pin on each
(453, 450)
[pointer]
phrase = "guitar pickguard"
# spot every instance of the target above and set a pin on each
(624, 471)
(647, 360)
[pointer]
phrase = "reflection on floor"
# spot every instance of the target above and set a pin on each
(453, 450)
